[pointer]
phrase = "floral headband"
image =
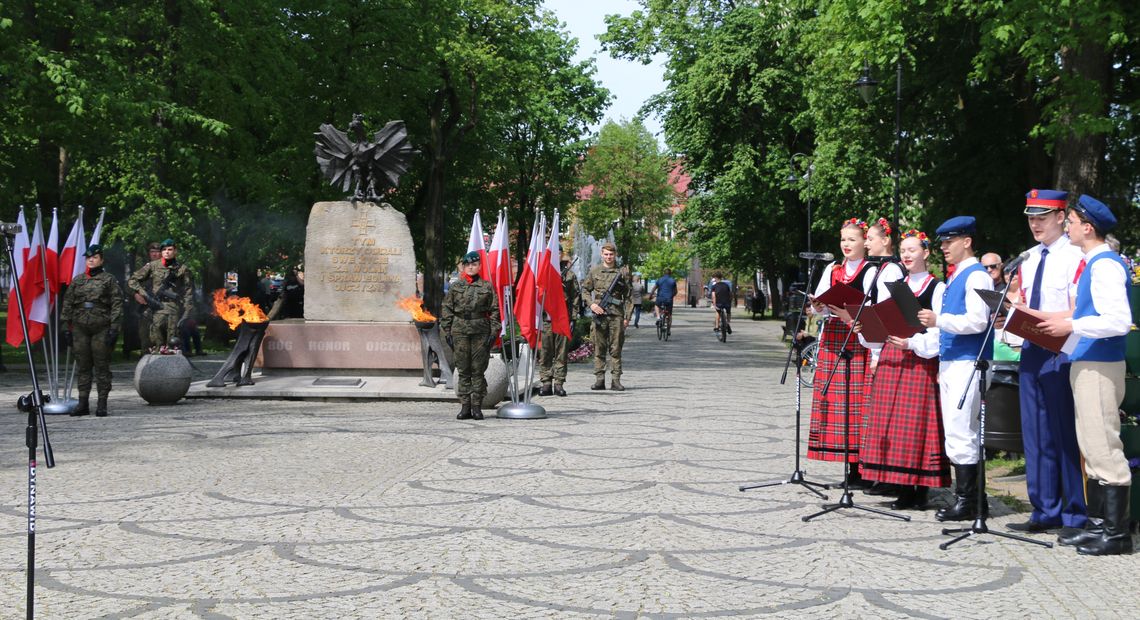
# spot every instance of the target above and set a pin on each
(857, 223)
(885, 225)
(917, 234)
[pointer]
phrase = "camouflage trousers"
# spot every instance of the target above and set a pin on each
(608, 336)
(146, 318)
(92, 353)
(552, 356)
(164, 324)
(472, 354)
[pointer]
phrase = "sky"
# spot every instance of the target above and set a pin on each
(630, 83)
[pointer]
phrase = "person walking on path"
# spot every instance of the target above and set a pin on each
(470, 323)
(92, 310)
(610, 321)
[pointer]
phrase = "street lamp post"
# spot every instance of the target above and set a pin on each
(794, 177)
(866, 87)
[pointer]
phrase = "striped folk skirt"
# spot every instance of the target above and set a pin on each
(829, 429)
(902, 438)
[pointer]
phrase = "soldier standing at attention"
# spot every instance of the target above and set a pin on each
(92, 309)
(556, 347)
(146, 315)
(470, 323)
(608, 330)
(165, 283)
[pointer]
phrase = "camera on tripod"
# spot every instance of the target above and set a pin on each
(27, 402)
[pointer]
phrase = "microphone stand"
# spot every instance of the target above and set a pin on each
(980, 366)
(798, 474)
(845, 354)
(33, 404)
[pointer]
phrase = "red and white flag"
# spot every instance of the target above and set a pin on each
(527, 306)
(98, 234)
(53, 256)
(33, 284)
(550, 282)
(499, 264)
(14, 334)
(75, 246)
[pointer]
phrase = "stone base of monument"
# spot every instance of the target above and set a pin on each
(163, 379)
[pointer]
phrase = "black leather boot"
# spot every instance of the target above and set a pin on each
(101, 406)
(464, 412)
(910, 498)
(1095, 525)
(546, 390)
(965, 506)
(559, 390)
(1116, 539)
(84, 407)
(599, 383)
(477, 409)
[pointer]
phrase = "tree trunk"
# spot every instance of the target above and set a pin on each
(434, 267)
(1079, 154)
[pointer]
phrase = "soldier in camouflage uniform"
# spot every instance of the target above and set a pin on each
(145, 313)
(608, 332)
(470, 323)
(165, 283)
(91, 312)
(556, 347)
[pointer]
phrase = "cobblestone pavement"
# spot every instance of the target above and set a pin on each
(619, 505)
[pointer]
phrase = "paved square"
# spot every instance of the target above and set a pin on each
(618, 505)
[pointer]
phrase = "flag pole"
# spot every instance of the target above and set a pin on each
(524, 410)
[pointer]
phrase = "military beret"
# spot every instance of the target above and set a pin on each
(470, 257)
(167, 243)
(94, 249)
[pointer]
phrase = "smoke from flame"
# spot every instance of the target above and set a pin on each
(415, 308)
(234, 310)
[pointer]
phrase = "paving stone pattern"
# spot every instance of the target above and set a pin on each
(619, 505)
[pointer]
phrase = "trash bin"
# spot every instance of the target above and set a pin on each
(1003, 409)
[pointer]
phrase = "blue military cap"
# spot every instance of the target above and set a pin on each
(1096, 212)
(957, 226)
(94, 249)
(1042, 201)
(470, 257)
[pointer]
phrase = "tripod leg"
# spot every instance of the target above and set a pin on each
(826, 509)
(946, 545)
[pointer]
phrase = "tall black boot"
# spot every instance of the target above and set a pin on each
(910, 497)
(101, 406)
(84, 407)
(1116, 539)
(464, 412)
(477, 408)
(965, 506)
(1095, 525)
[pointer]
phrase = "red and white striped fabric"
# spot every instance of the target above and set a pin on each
(14, 334)
(75, 246)
(550, 281)
(527, 308)
(498, 265)
(33, 284)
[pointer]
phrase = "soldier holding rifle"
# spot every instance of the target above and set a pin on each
(606, 291)
(165, 285)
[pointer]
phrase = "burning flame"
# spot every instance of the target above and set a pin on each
(234, 310)
(415, 308)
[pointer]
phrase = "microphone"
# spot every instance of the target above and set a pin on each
(817, 256)
(1015, 263)
(879, 260)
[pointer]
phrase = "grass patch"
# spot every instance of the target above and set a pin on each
(1006, 464)
(1015, 504)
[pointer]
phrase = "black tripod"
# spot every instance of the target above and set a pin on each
(979, 526)
(33, 405)
(845, 354)
(796, 349)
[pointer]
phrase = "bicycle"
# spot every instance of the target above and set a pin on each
(808, 361)
(722, 327)
(664, 324)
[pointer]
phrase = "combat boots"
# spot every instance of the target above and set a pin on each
(599, 383)
(84, 407)
(559, 390)
(1095, 525)
(615, 385)
(1116, 539)
(546, 390)
(464, 412)
(965, 506)
(477, 409)
(101, 406)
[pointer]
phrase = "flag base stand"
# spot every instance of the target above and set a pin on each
(62, 406)
(521, 411)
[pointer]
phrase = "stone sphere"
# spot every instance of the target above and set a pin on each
(496, 376)
(163, 379)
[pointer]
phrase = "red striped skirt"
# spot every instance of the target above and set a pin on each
(902, 438)
(829, 430)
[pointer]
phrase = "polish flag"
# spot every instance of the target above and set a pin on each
(550, 282)
(53, 256)
(527, 304)
(14, 334)
(98, 234)
(475, 244)
(75, 246)
(37, 297)
(498, 265)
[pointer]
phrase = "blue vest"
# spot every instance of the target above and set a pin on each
(955, 347)
(1097, 349)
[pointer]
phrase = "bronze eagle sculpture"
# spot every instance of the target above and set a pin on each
(354, 164)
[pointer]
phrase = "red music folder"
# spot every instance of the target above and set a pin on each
(884, 319)
(842, 295)
(1023, 322)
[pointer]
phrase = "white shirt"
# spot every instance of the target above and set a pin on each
(977, 316)
(1110, 298)
(1057, 286)
(851, 269)
(926, 345)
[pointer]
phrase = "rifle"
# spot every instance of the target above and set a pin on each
(165, 292)
(569, 266)
(607, 298)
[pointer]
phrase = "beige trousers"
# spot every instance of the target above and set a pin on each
(1098, 390)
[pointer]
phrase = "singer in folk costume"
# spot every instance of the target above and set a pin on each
(830, 429)
(902, 441)
(1048, 424)
(962, 319)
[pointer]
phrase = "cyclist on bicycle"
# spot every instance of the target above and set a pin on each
(665, 289)
(721, 295)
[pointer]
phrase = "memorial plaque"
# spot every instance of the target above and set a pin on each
(359, 261)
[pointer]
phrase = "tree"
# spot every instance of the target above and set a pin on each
(628, 184)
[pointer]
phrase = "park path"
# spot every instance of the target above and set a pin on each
(618, 505)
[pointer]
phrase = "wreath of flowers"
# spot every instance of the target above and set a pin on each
(885, 225)
(856, 222)
(917, 234)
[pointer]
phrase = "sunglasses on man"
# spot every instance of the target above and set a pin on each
(993, 267)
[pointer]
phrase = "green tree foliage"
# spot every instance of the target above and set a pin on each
(629, 189)
(667, 254)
